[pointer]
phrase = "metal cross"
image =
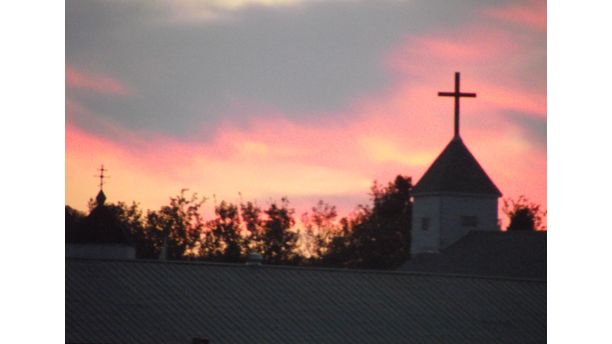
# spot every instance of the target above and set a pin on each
(457, 94)
(102, 176)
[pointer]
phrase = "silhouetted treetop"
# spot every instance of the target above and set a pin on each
(178, 226)
(378, 236)
(277, 240)
(523, 214)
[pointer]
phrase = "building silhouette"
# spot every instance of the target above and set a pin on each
(101, 234)
(454, 196)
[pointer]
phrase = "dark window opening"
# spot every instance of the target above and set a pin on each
(425, 223)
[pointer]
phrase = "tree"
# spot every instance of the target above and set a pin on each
(132, 218)
(523, 215)
(339, 250)
(378, 236)
(225, 229)
(179, 224)
(254, 226)
(73, 218)
(278, 241)
(319, 228)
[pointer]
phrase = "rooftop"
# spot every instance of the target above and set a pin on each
(456, 170)
(520, 254)
(141, 301)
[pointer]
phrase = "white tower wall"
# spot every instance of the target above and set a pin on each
(440, 220)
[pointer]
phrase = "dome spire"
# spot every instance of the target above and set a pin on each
(101, 197)
(102, 176)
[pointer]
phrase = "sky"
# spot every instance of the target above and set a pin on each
(314, 100)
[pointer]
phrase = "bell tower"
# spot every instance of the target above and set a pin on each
(454, 196)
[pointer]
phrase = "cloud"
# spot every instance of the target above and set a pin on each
(531, 14)
(196, 11)
(534, 127)
(98, 83)
(150, 176)
(314, 58)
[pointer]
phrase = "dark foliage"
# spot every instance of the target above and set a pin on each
(277, 240)
(522, 220)
(378, 236)
(523, 215)
(177, 227)
(73, 220)
(223, 240)
(254, 226)
(319, 228)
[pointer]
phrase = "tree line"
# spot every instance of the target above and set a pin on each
(375, 235)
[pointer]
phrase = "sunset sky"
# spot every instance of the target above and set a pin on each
(305, 99)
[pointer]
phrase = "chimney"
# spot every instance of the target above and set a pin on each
(163, 254)
(254, 259)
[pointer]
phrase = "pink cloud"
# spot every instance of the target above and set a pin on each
(79, 79)
(531, 13)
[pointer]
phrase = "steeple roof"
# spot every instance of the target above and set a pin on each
(102, 225)
(456, 171)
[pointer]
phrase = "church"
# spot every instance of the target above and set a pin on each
(454, 196)
(467, 282)
(455, 226)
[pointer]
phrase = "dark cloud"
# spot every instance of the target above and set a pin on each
(533, 126)
(301, 60)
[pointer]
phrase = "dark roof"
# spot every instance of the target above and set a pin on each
(490, 253)
(171, 302)
(101, 226)
(456, 170)
(100, 198)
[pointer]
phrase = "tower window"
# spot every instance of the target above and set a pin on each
(425, 223)
(469, 221)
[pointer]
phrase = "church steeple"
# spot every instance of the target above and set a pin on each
(454, 196)
(102, 225)
(102, 234)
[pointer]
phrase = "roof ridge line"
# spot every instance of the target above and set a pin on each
(313, 268)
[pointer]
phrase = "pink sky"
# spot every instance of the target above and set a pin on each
(398, 129)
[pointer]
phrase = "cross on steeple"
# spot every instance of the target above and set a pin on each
(457, 94)
(102, 176)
